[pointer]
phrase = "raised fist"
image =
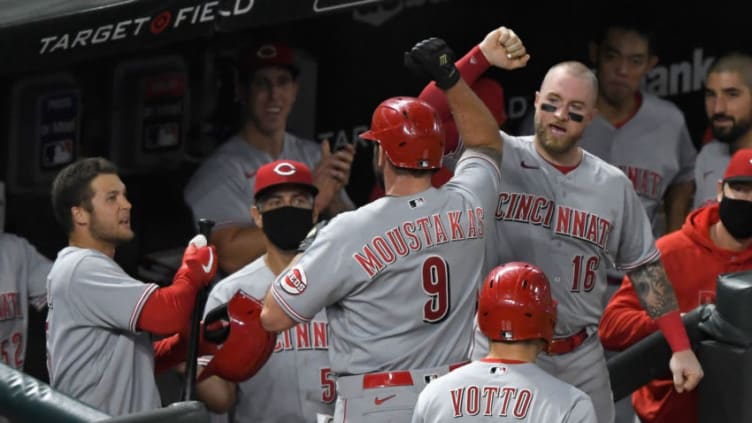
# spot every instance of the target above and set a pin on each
(199, 262)
(434, 59)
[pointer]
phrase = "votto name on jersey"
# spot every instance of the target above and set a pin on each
(415, 235)
(541, 211)
(491, 400)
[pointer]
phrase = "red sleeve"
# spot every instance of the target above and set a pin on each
(173, 350)
(168, 310)
(169, 352)
(624, 321)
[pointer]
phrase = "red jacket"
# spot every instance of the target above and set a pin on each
(692, 264)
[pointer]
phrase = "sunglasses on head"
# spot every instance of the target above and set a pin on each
(550, 108)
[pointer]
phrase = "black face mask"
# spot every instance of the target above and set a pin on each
(287, 226)
(736, 216)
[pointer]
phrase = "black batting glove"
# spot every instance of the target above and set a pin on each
(432, 58)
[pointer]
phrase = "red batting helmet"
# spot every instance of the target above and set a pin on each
(247, 345)
(515, 304)
(409, 131)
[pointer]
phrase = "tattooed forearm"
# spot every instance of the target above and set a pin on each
(654, 289)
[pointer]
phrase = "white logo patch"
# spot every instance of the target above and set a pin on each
(295, 281)
(284, 169)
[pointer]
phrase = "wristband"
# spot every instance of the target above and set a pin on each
(472, 65)
(672, 327)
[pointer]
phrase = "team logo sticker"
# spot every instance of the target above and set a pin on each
(295, 281)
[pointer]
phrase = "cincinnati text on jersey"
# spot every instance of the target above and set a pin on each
(415, 235)
(646, 182)
(303, 336)
(541, 211)
(10, 306)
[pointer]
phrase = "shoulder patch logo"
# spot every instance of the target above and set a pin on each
(295, 281)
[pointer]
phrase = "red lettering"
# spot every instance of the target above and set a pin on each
(457, 395)
(472, 401)
(490, 392)
(592, 234)
(303, 336)
(398, 242)
(423, 224)
(409, 229)
(454, 223)
(523, 208)
(369, 262)
(578, 224)
(440, 232)
(383, 249)
(562, 219)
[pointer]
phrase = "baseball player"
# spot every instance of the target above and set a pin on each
(641, 134)
(23, 279)
(728, 104)
(716, 239)
(296, 384)
(517, 314)
(100, 320)
(221, 189)
(398, 277)
(574, 215)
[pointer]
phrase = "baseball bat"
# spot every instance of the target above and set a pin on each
(648, 359)
(204, 228)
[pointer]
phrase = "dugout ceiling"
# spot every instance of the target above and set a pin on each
(43, 33)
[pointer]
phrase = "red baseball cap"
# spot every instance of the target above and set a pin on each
(267, 54)
(283, 172)
(740, 167)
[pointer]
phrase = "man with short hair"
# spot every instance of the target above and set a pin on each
(728, 104)
(295, 384)
(574, 215)
(101, 321)
(398, 277)
(221, 189)
(518, 315)
(714, 240)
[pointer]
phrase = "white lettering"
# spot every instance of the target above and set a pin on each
(182, 15)
(119, 32)
(45, 43)
(81, 37)
(680, 77)
(102, 34)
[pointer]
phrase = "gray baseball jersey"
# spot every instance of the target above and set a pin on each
(711, 164)
(399, 276)
(653, 149)
(502, 391)
(94, 353)
(573, 226)
(23, 281)
(221, 189)
(296, 383)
